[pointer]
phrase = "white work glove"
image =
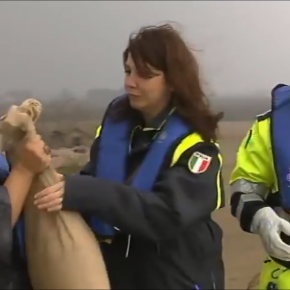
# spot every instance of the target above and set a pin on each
(268, 225)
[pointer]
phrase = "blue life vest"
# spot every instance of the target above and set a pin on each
(280, 120)
(18, 231)
(19, 235)
(4, 167)
(114, 147)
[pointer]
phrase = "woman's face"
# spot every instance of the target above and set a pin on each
(146, 94)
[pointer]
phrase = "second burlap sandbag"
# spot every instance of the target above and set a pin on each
(62, 251)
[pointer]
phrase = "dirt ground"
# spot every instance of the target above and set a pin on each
(243, 252)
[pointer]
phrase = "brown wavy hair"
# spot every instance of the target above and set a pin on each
(162, 48)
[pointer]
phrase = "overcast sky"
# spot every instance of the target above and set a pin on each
(47, 46)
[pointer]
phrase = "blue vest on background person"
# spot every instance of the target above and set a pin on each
(4, 167)
(280, 134)
(18, 231)
(113, 149)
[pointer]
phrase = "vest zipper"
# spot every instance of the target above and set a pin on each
(128, 247)
(213, 280)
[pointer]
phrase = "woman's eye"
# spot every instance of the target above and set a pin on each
(127, 72)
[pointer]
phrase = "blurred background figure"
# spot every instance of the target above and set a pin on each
(14, 187)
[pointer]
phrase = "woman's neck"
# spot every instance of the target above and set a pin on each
(150, 115)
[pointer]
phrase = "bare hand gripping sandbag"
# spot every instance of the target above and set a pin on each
(62, 251)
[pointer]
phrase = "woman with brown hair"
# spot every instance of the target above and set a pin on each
(154, 176)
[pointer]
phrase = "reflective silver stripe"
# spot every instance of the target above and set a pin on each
(263, 114)
(246, 186)
(252, 192)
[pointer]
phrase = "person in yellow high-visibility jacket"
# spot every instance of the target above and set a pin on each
(260, 185)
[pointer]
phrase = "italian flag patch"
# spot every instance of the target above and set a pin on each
(198, 162)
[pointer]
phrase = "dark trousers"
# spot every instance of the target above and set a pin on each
(127, 273)
(118, 266)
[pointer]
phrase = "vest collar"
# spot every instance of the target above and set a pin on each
(158, 122)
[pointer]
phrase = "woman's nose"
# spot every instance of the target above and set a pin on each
(130, 81)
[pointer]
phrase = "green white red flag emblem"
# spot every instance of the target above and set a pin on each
(198, 162)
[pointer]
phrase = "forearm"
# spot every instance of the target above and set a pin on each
(179, 198)
(87, 169)
(152, 215)
(246, 200)
(5, 226)
(17, 185)
(121, 208)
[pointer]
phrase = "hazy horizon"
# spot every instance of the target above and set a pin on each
(49, 46)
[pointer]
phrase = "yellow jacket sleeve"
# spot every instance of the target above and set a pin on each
(253, 177)
(254, 158)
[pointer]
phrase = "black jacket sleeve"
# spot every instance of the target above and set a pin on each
(5, 227)
(179, 198)
(89, 168)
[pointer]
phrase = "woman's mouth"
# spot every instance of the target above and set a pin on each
(133, 96)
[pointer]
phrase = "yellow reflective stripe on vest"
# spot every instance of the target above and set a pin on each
(189, 142)
(98, 132)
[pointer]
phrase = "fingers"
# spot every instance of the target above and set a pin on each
(285, 227)
(33, 141)
(278, 248)
(54, 204)
(55, 208)
(49, 190)
(37, 138)
(51, 202)
(46, 150)
(36, 144)
(38, 147)
(60, 177)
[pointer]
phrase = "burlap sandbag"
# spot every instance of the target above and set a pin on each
(254, 283)
(61, 249)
